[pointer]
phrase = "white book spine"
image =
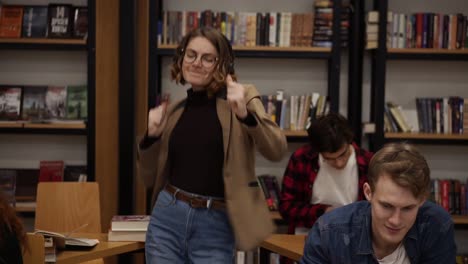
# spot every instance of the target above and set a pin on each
(272, 29)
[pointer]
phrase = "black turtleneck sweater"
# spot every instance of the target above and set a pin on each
(196, 148)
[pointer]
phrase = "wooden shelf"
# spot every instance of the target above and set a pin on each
(266, 48)
(43, 41)
(25, 209)
(298, 133)
(460, 219)
(37, 128)
(427, 136)
(11, 125)
(56, 126)
(428, 51)
(275, 215)
(265, 52)
(42, 44)
(428, 54)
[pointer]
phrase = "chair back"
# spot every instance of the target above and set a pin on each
(35, 253)
(66, 206)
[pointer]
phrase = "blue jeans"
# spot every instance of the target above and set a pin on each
(178, 233)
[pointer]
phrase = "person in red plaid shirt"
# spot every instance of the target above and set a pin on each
(328, 172)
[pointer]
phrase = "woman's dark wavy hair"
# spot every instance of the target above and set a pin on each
(9, 222)
(224, 64)
(329, 133)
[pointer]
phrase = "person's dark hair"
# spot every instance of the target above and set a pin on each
(224, 64)
(9, 222)
(329, 133)
(405, 165)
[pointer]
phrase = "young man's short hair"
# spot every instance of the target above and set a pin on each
(329, 133)
(405, 165)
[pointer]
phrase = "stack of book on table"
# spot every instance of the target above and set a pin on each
(128, 228)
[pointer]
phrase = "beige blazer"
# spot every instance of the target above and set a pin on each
(246, 205)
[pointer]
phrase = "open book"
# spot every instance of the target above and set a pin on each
(63, 241)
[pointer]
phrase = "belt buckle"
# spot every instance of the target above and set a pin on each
(209, 203)
(191, 202)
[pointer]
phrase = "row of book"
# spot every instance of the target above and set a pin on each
(447, 115)
(440, 115)
(24, 181)
(429, 30)
(451, 195)
(275, 29)
(52, 21)
(420, 30)
(297, 111)
(270, 188)
(43, 103)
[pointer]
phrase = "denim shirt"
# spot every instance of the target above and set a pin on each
(344, 236)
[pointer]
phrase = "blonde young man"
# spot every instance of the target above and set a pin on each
(395, 225)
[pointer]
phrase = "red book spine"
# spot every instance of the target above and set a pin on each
(444, 194)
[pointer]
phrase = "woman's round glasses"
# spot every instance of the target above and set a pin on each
(207, 60)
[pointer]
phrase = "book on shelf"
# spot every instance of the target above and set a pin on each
(450, 194)
(34, 22)
(55, 102)
(64, 240)
(270, 188)
(397, 116)
(128, 228)
(34, 103)
(80, 22)
(250, 29)
(10, 102)
(130, 222)
(77, 102)
(11, 17)
(60, 20)
(75, 173)
(428, 30)
(51, 170)
(50, 250)
(139, 236)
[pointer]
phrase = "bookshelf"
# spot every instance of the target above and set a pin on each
(52, 61)
(402, 74)
(158, 52)
(379, 60)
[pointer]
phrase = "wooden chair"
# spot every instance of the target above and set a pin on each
(35, 253)
(65, 206)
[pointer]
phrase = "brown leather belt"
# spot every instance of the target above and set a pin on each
(195, 202)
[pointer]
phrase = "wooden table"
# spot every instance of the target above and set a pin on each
(101, 250)
(291, 246)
